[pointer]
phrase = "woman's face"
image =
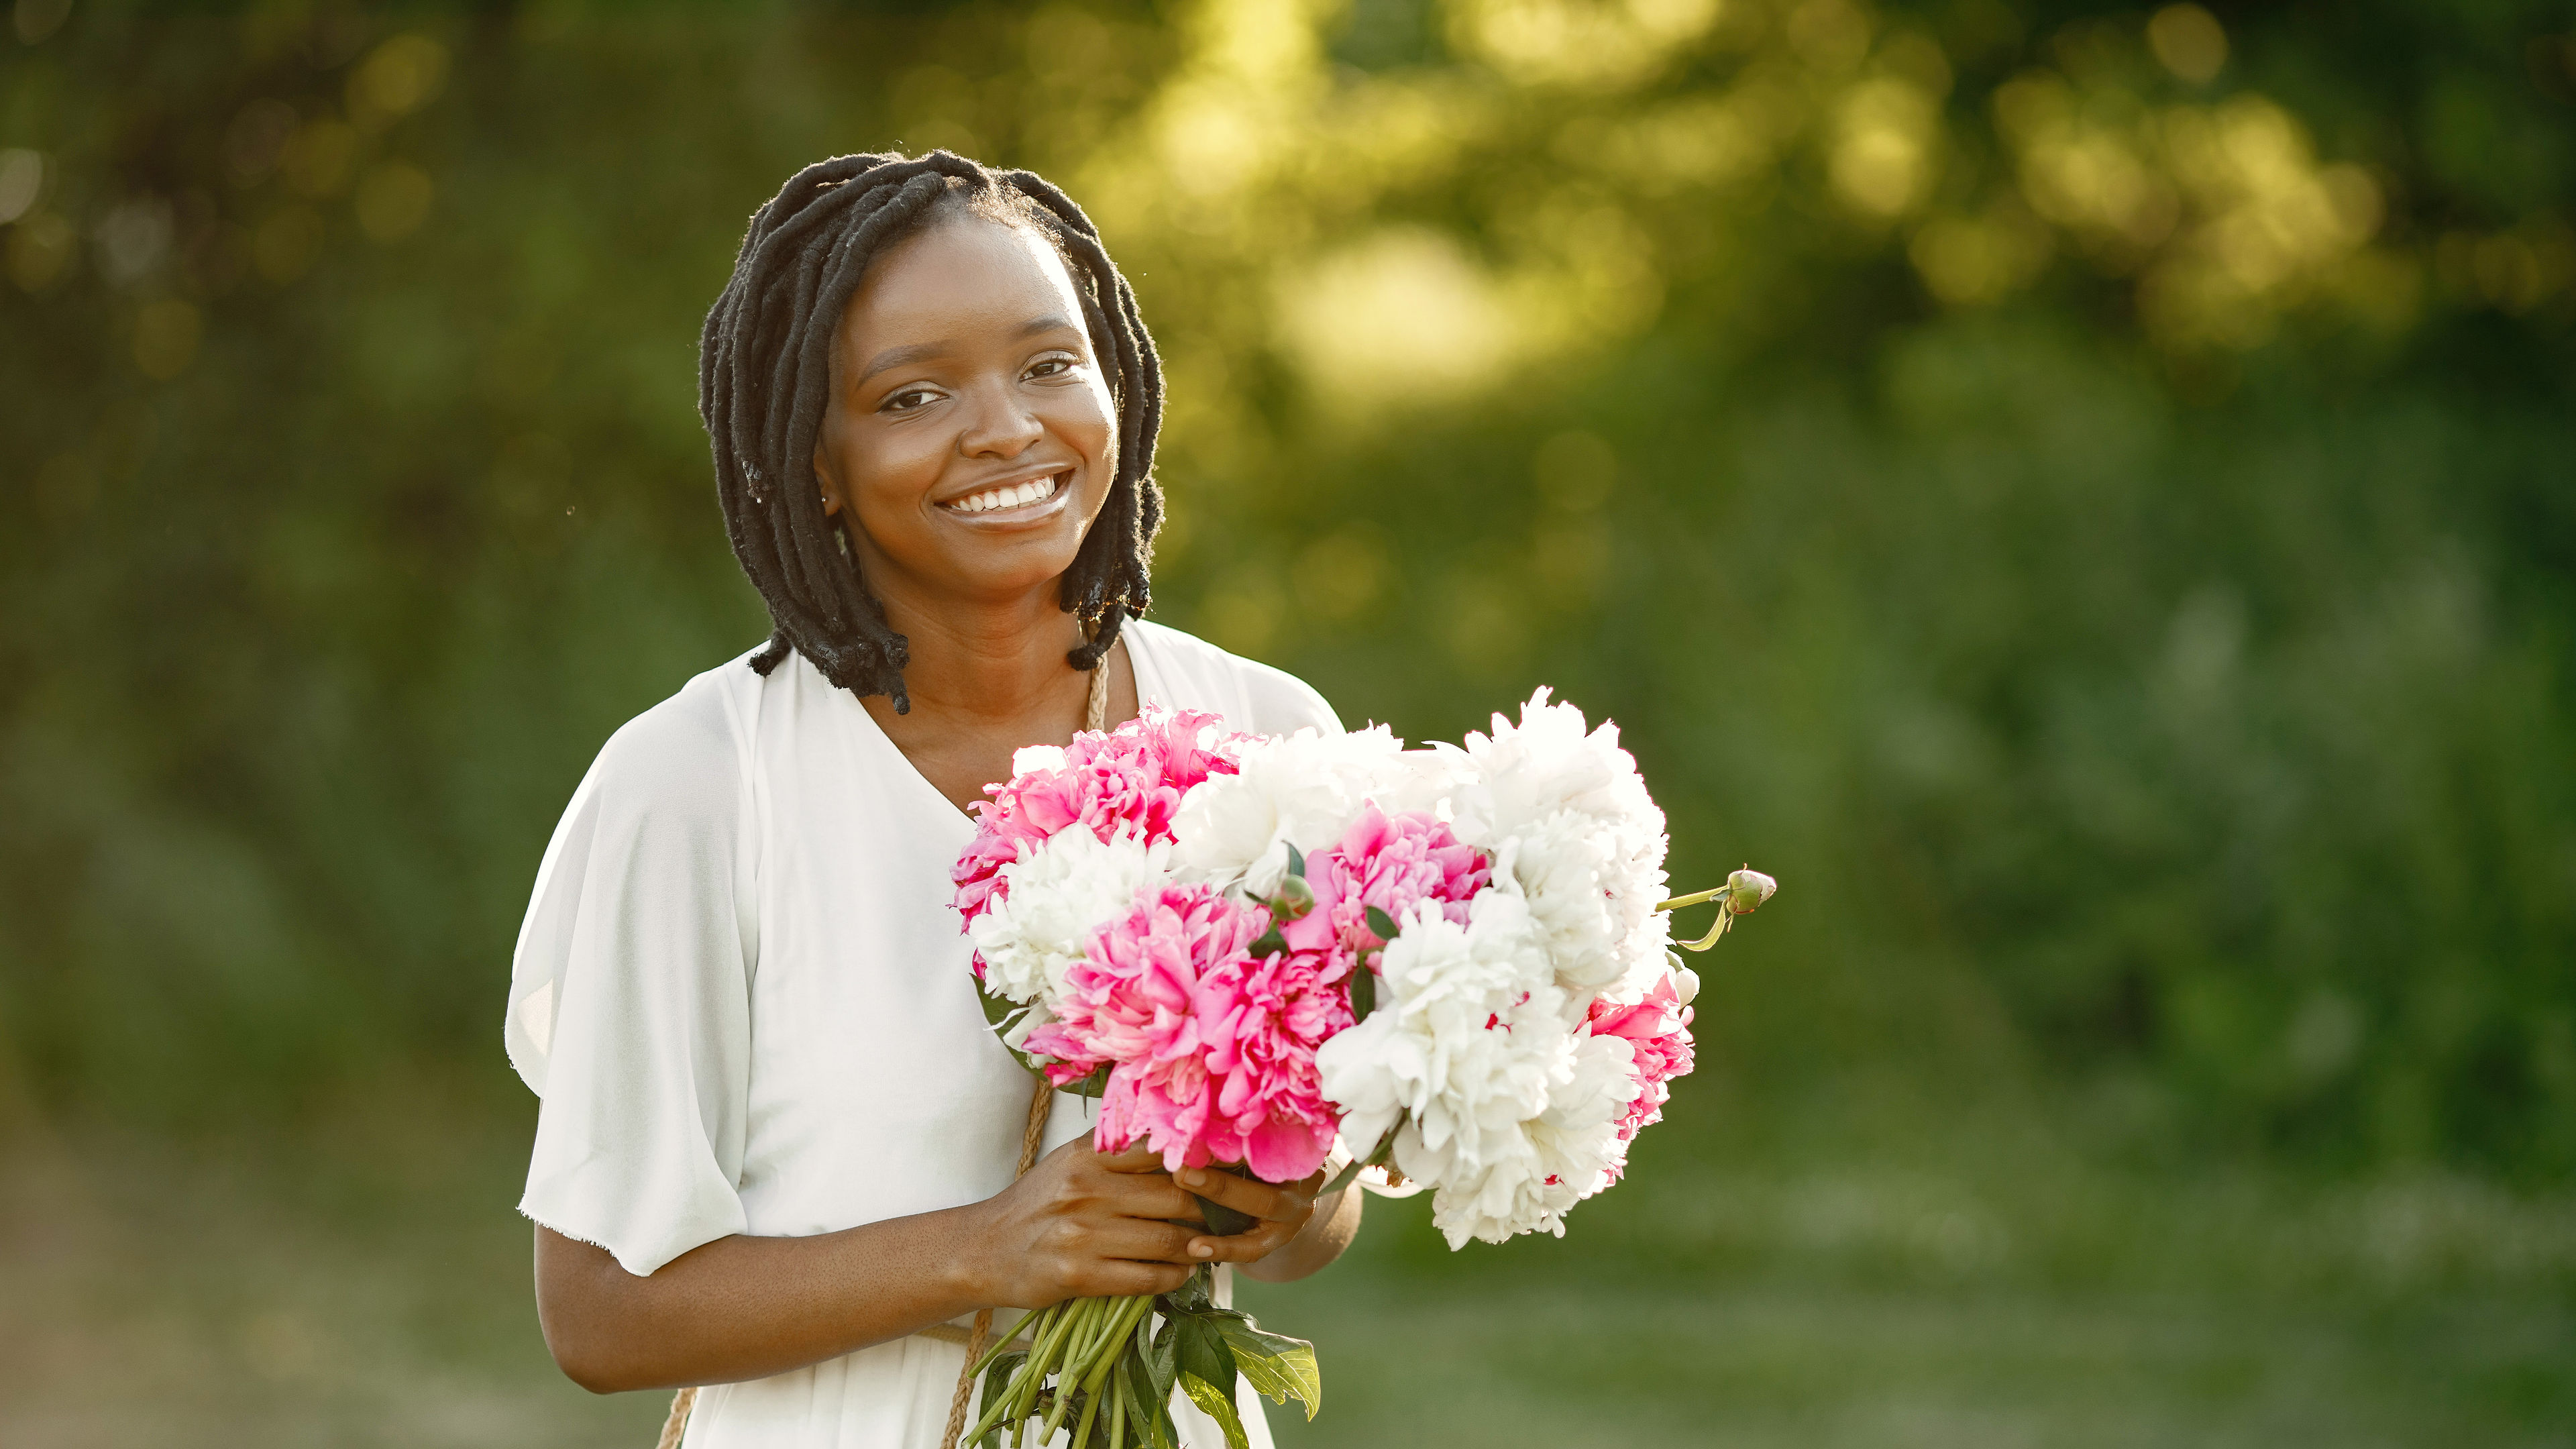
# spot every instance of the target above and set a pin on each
(970, 432)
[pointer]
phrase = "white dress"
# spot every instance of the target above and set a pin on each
(745, 1002)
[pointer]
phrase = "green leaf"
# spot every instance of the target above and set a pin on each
(1217, 1404)
(997, 1381)
(999, 1010)
(1203, 1351)
(1296, 859)
(1363, 992)
(1163, 1365)
(1208, 1370)
(1380, 922)
(1273, 1363)
(1197, 1294)
(1268, 943)
(1147, 1407)
(1090, 1086)
(1001, 1013)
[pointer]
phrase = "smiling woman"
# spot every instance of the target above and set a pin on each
(779, 1152)
(828, 274)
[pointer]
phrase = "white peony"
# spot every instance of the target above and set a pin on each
(1562, 1156)
(1550, 762)
(1509, 1114)
(1059, 894)
(1303, 789)
(1566, 817)
(1465, 1037)
(1592, 902)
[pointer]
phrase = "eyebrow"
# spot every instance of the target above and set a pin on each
(894, 357)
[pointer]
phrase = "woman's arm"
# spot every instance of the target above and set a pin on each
(1078, 1225)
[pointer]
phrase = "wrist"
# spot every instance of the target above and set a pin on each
(969, 1276)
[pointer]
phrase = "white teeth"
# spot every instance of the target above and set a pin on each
(1026, 493)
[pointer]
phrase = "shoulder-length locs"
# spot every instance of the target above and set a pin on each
(764, 381)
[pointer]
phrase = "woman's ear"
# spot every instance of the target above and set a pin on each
(823, 479)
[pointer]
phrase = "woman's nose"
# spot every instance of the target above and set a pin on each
(998, 425)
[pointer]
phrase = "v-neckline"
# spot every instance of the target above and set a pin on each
(902, 763)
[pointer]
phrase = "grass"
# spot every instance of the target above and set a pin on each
(366, 1283)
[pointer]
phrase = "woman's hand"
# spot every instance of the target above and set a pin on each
(1081, 1225)
(1295, 1232)
(1280, 1212)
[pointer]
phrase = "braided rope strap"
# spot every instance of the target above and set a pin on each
(1031, 1137)
(678, 1424)
(1095, 716)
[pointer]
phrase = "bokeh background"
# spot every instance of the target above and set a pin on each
(2084, 494)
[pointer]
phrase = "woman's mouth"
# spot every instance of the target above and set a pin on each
(1010, 495)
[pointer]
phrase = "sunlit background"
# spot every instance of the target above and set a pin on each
(2085, 495)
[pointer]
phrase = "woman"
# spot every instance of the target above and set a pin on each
(777, 1145)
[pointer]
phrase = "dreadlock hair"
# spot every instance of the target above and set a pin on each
(764, 383)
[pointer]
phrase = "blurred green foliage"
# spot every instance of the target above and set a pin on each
(2081, 494)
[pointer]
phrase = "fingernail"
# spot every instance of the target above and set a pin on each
(1201, 1250)
(1193, 1177)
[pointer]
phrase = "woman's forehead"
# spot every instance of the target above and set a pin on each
(964, 276)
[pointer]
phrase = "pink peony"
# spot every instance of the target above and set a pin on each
(1211, 1051)
(1658, 1030)
(1391, 862)
(1126, 780)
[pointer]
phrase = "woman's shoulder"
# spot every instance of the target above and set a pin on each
(684, 755)
(1253, 695)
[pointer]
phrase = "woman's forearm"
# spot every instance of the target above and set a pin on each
(745, 1308)
(1326, 1234)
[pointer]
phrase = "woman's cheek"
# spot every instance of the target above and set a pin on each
(904, 473)
(1098, 440)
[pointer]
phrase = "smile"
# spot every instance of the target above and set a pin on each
(1009, 495)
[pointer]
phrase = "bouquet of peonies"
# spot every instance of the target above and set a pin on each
(1448, 967)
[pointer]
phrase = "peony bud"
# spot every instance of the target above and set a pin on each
(1748, 888)
(1685, 983)
(1294, 898)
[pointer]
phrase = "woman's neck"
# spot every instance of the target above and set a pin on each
(986, 681)
(987, 663)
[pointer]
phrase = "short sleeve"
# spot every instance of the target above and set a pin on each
(630, 992)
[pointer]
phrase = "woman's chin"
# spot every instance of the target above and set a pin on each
(1001, 575)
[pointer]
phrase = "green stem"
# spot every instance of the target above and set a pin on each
(1023, 1393)
(1082, 1429)
(1084, 1312)
(1118, 1412)
(1001, 1343)
(1122, 1326)
(1010, 1394)
(1098, 1333)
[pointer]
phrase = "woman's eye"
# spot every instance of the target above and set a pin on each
(1051, 366)
(909, 399)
